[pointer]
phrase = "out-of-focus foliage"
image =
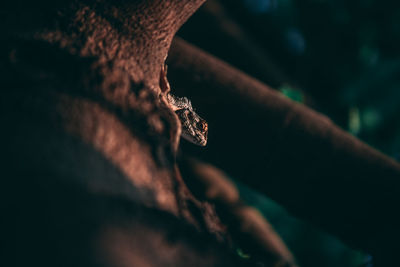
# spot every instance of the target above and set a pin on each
(344, 54)
(292, 93)
(310, 246)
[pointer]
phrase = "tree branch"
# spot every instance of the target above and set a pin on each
(291, 153)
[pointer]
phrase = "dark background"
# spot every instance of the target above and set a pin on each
(338, 57)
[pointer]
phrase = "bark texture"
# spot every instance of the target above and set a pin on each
(89, 145)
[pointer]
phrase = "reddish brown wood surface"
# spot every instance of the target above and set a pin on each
(88, 148)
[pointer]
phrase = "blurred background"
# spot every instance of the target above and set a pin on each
(339, 57)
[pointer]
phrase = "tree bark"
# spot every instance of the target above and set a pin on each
(88, 147)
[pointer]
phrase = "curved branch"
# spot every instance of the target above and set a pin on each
(291, 153)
